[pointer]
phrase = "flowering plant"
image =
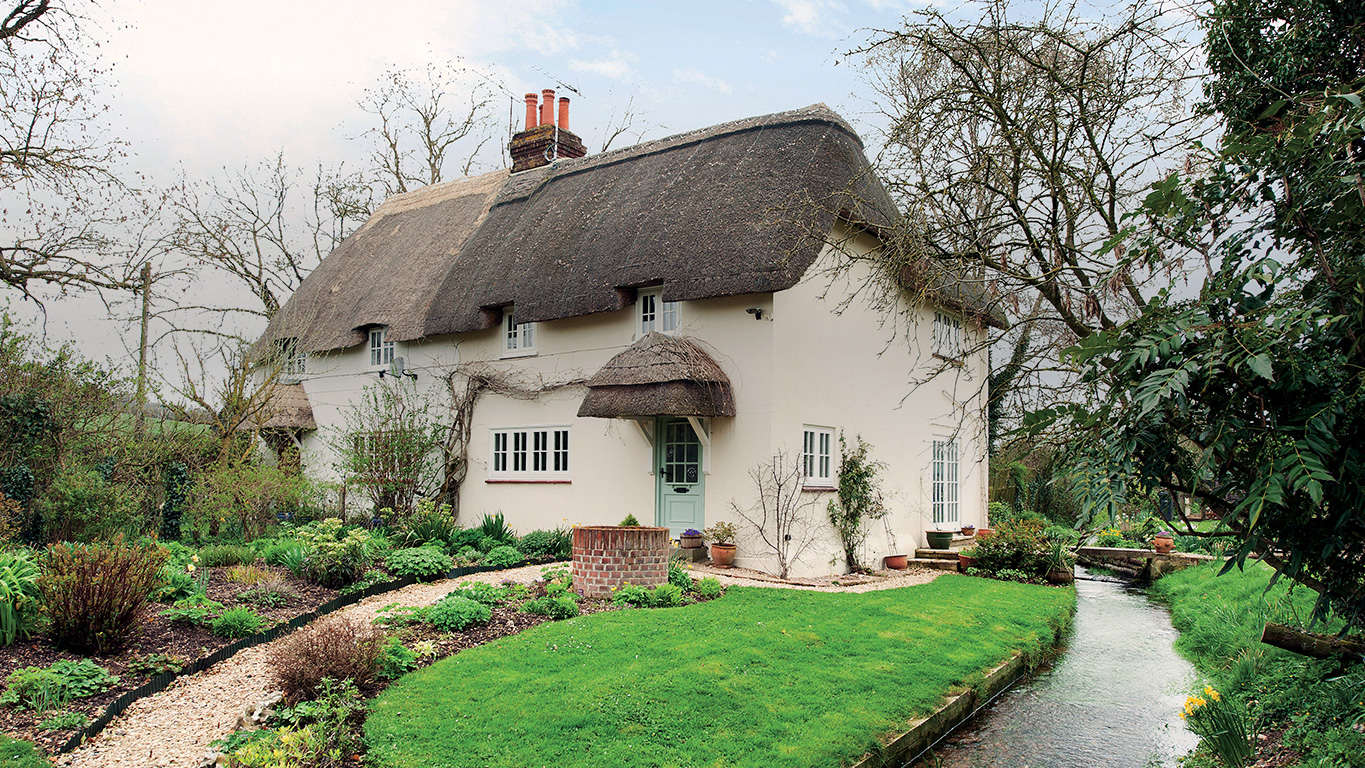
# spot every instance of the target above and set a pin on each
(691, 532)
(1223, 724)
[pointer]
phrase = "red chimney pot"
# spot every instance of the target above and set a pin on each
(547, 107)
(530, 111)
(563, 113)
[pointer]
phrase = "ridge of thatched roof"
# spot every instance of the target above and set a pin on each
(659, 375)
(742, 207)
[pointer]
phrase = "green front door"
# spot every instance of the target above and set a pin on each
(680, 480)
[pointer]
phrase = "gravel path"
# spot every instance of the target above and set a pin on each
(173, 729)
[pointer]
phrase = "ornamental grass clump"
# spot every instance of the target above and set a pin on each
(1223, 724)
(94, 592)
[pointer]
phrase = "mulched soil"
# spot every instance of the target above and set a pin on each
(158, 635)
(1272, 753)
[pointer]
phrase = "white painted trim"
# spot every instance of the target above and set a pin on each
(647, 429)
(703, 429)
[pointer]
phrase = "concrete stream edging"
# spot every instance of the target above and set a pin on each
(922, 734)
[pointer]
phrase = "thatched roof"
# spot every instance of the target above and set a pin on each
(742, 207)
(659, 375)
(289, 408)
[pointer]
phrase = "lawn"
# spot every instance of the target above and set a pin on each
(760, 677)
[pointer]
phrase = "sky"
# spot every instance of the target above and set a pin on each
(199, 86)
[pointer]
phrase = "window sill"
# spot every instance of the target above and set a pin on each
(508, 354)
(524, 481)
(819, 488)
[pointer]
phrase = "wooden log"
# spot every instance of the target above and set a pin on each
(1312, 644)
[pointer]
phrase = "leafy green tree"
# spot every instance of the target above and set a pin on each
(1251, 395)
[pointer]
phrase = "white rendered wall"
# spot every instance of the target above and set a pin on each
(809, 360)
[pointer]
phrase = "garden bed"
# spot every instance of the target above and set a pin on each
(158, 636)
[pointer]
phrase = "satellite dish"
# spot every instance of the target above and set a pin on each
(396, 367)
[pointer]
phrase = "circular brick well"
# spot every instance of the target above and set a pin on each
(607, 556)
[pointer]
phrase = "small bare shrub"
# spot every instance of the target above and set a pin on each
(337, 647)
(93, 592)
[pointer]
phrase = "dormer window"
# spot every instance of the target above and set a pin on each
(293, 361)
(381, 347)
(518, 339)
(654, 314)
(947, 336)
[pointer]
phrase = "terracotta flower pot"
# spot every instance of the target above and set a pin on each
(689, 542)
(1061, 576)
(985, 533)
(896, 562)
(723, 555)
(1163, 544)
(965, 561)
(968, 530)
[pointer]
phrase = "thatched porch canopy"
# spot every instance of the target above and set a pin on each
(659, 375)
(288, 408)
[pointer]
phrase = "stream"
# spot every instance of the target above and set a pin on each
(1110, 700)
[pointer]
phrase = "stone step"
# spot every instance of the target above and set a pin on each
(936, 554)
(938, 565)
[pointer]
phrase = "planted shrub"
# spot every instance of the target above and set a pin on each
(1018, 545)
(468, 556)
(272, 593)
(367, 579)
(677, 576)
(504, 557)
(633, 595)
(19, 596)
(668, 596)
(336, 558)
(154, 664)
(237, 622)
(537, 544)
(556, 607)
(223, 555)
(431, 522)
(395, 659)
(709, 587)
(469, 537)
(630, 521)
(64, 721)
(44, 688)
(196, 609)
(93, 593)
(496, 527)
(337, 647)
(454, 613)
(421, 563)
(276, 552)
(177, 583)
(488, 544)
(482, 592)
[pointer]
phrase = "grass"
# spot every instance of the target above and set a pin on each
(20, 754)
(760, 677)
(1319, 703)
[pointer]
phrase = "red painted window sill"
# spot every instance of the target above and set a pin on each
(819, 488)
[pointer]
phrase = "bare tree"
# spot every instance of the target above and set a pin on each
(421, 120)
(783, 516)
(1016, 143)
(60, 195)
(265, 227)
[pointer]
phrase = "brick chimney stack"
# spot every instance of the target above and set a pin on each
(545, 139)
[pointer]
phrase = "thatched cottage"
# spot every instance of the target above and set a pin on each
(651, 325)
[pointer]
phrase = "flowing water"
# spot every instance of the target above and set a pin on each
(1111, 700)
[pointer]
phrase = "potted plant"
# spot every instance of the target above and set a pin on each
(722, 537)
(966, 559)
(1060, 565)
(896, 562)
(939, 539)
(1163, 542)
(690, 539)
(969, 530)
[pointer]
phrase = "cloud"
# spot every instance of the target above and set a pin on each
(615, 66)
(812, 17)
(693, 76)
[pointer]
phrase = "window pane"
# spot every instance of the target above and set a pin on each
(540, 456)
(518, 451)
(668, 319)
(647, 312)
(561, 450)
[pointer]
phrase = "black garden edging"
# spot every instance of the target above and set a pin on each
(163, 681)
